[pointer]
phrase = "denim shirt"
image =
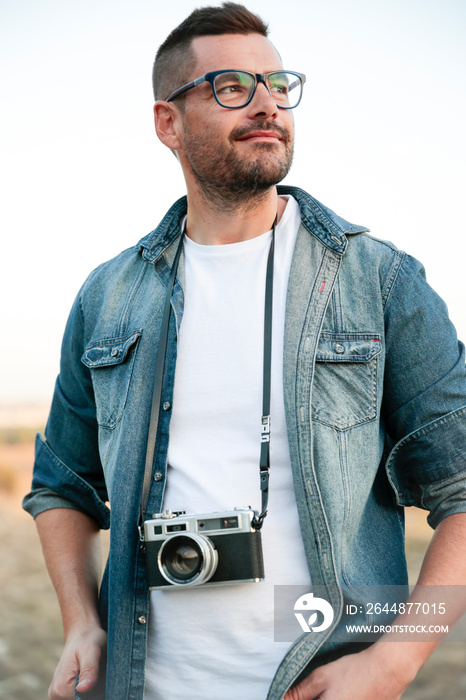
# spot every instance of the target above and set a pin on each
(375, 399)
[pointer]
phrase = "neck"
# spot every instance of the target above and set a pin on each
(210, 225)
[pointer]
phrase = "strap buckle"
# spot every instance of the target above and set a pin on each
(265, 429)
(141, 528)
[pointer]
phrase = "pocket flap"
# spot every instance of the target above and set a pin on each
(348, 347)
(109, 351)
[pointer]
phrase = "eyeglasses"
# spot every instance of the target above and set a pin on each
(234, 89)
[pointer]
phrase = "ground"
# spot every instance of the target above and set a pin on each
(30, 628)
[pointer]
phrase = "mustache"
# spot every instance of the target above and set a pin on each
(260, 125)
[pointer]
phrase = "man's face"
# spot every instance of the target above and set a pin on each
(233, 154)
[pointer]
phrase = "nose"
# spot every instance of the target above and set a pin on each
(262, 104)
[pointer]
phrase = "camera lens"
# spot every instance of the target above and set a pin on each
(182, 559)
(187, 559)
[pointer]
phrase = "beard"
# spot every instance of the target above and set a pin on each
(228, 180)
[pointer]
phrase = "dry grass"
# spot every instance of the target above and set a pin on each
(30, 627)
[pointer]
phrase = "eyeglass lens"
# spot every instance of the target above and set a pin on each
(234, 89)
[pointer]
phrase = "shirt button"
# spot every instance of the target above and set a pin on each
(339, 349)
(114, 352)
(167, 406)
(158, 476)
(142, 619)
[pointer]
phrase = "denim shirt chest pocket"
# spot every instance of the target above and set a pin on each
(111, 362)
(345, 379)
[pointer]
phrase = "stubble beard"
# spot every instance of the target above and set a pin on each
(228, 181)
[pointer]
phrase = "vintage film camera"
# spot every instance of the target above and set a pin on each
(214, 549)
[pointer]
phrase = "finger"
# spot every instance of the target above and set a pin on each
(87, 680)
(300, 694)
(310, 688)
(88, 671)
(63, 681)
(62, 689)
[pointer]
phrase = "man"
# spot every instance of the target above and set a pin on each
(367, 408)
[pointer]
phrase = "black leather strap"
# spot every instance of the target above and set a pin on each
(156, 396)
(264, 463)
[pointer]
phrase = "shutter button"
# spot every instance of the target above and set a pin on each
(339, 349)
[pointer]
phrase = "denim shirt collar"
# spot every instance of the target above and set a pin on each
(329, 228)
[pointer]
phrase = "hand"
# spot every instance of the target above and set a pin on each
(84, 652)
(360, 676)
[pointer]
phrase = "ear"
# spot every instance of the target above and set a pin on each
(167, 120)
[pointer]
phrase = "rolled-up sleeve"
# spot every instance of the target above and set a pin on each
(67, 470)
(424, 407)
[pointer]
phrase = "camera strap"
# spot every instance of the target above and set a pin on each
(264, 462)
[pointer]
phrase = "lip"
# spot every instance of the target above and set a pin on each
(261, 136)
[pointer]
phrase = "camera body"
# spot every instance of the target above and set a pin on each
(213, 549)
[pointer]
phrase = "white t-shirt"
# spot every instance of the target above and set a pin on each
(217, 642)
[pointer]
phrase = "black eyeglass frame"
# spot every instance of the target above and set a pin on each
(258, 78)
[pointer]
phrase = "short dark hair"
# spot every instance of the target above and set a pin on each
(174, 59)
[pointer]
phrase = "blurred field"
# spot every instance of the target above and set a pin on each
(30, 627)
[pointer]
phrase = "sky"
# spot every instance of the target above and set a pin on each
(380, 139)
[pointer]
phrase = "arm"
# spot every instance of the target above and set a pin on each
(385, 670)
(71, 545)
(424, 420)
